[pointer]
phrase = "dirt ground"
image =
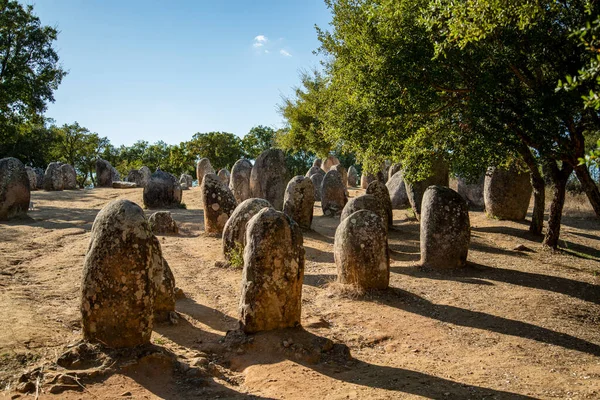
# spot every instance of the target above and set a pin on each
(514, 324)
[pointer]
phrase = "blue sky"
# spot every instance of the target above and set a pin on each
(164, 70)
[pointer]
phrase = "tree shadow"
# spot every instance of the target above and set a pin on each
(509, 231)
(312, 234)
(318, 280)
(320, 256)
(208, 316)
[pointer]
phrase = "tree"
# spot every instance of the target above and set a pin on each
(221, 148)
(259, 139)
(29, 69)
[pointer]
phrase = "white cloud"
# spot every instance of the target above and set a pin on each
(284, 53)
(260, 41)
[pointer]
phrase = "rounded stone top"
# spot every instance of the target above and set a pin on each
(122, 216)
(363, 222)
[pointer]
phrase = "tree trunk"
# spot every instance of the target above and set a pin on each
(589, 186)
(539, 191)
(559, 185)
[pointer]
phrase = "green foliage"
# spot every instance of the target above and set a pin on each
(29, 142)
(259, 139)
(221, 148)
(236, 256)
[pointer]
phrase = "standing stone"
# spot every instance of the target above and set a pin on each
(299, 201)
(472, 192)
(32, 176)
(380, 191)
(234, 233)
(39, 174)
(397, 190)
(202, 168)
(106, 174)
(360, 251)
(317, 163)
(135, 176)
(121, 273)
(224, 176)
(314, 170)
(393, 169)
(146, 175)
(69, 177)
(53, 177)
(273, 273)
(364, 202)
(164, 301)
(366, 179)
(186, 180)
(330, 162)
(445, 229)
(14, 189)
(507, 193)
(333, 194)
(352, 176)
(439, 176)
(340, 168)
(239, 182)
(218, 202)
(268, 177)
(317, 180)
(161, 222)
(162, 190)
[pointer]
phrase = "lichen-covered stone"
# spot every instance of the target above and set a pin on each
(366, 178)
(218, 202)
(268, 177)
(161, 222)
(69, 177)
(187, 180)
(15, 193)
(224, 176)
(445, 229)
(317, 180)
(352, 176)
(472, 192)
(397, 189)
(234, 233)
(121, 274)
(507, 193)
(314, 170)
(273, 273)
(343, 172)
(360, 251)
(39, 174)
(333, 194)
(53, 177)
(380, 191)
(414, 191)
(364, 202)
(146, 175)
(202, 168)
(106, 174)
(164, 301)
(162, 191)
(32, 176)
(299, 200)
(135, 176)
(330, 162)
(393, 169)
(239, 182)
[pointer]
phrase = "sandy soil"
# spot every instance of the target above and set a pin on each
(512, 325)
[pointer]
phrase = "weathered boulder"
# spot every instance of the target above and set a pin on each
(343, 172)
(268, 177)
(123, 185)
(472, 191)
(380, 191)
(32, 177)
(392, 170)
(414, 191)
(317, 163)
(317, 180)
(364, 202)
(135, 176)
(333, 194)
(360, 251)
(14, 189)
(39, 173)
(161, 222)
(314, 170)
(146, 175)
(507, 193)
(273, 273)
(218, 202)
(352, 176)
(202, 168)
(445, 229)
(299, 200)
(224, 176)
(239, 182)
(397, 190)
(53, 177)
(121, 273)
(330, 162)
(69, 177)
(187, 180)
(106, 174)
(162, 191)
(234, 233)
(164, 301)
(366, 178)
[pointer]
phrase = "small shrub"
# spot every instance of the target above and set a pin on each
(236, 256)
